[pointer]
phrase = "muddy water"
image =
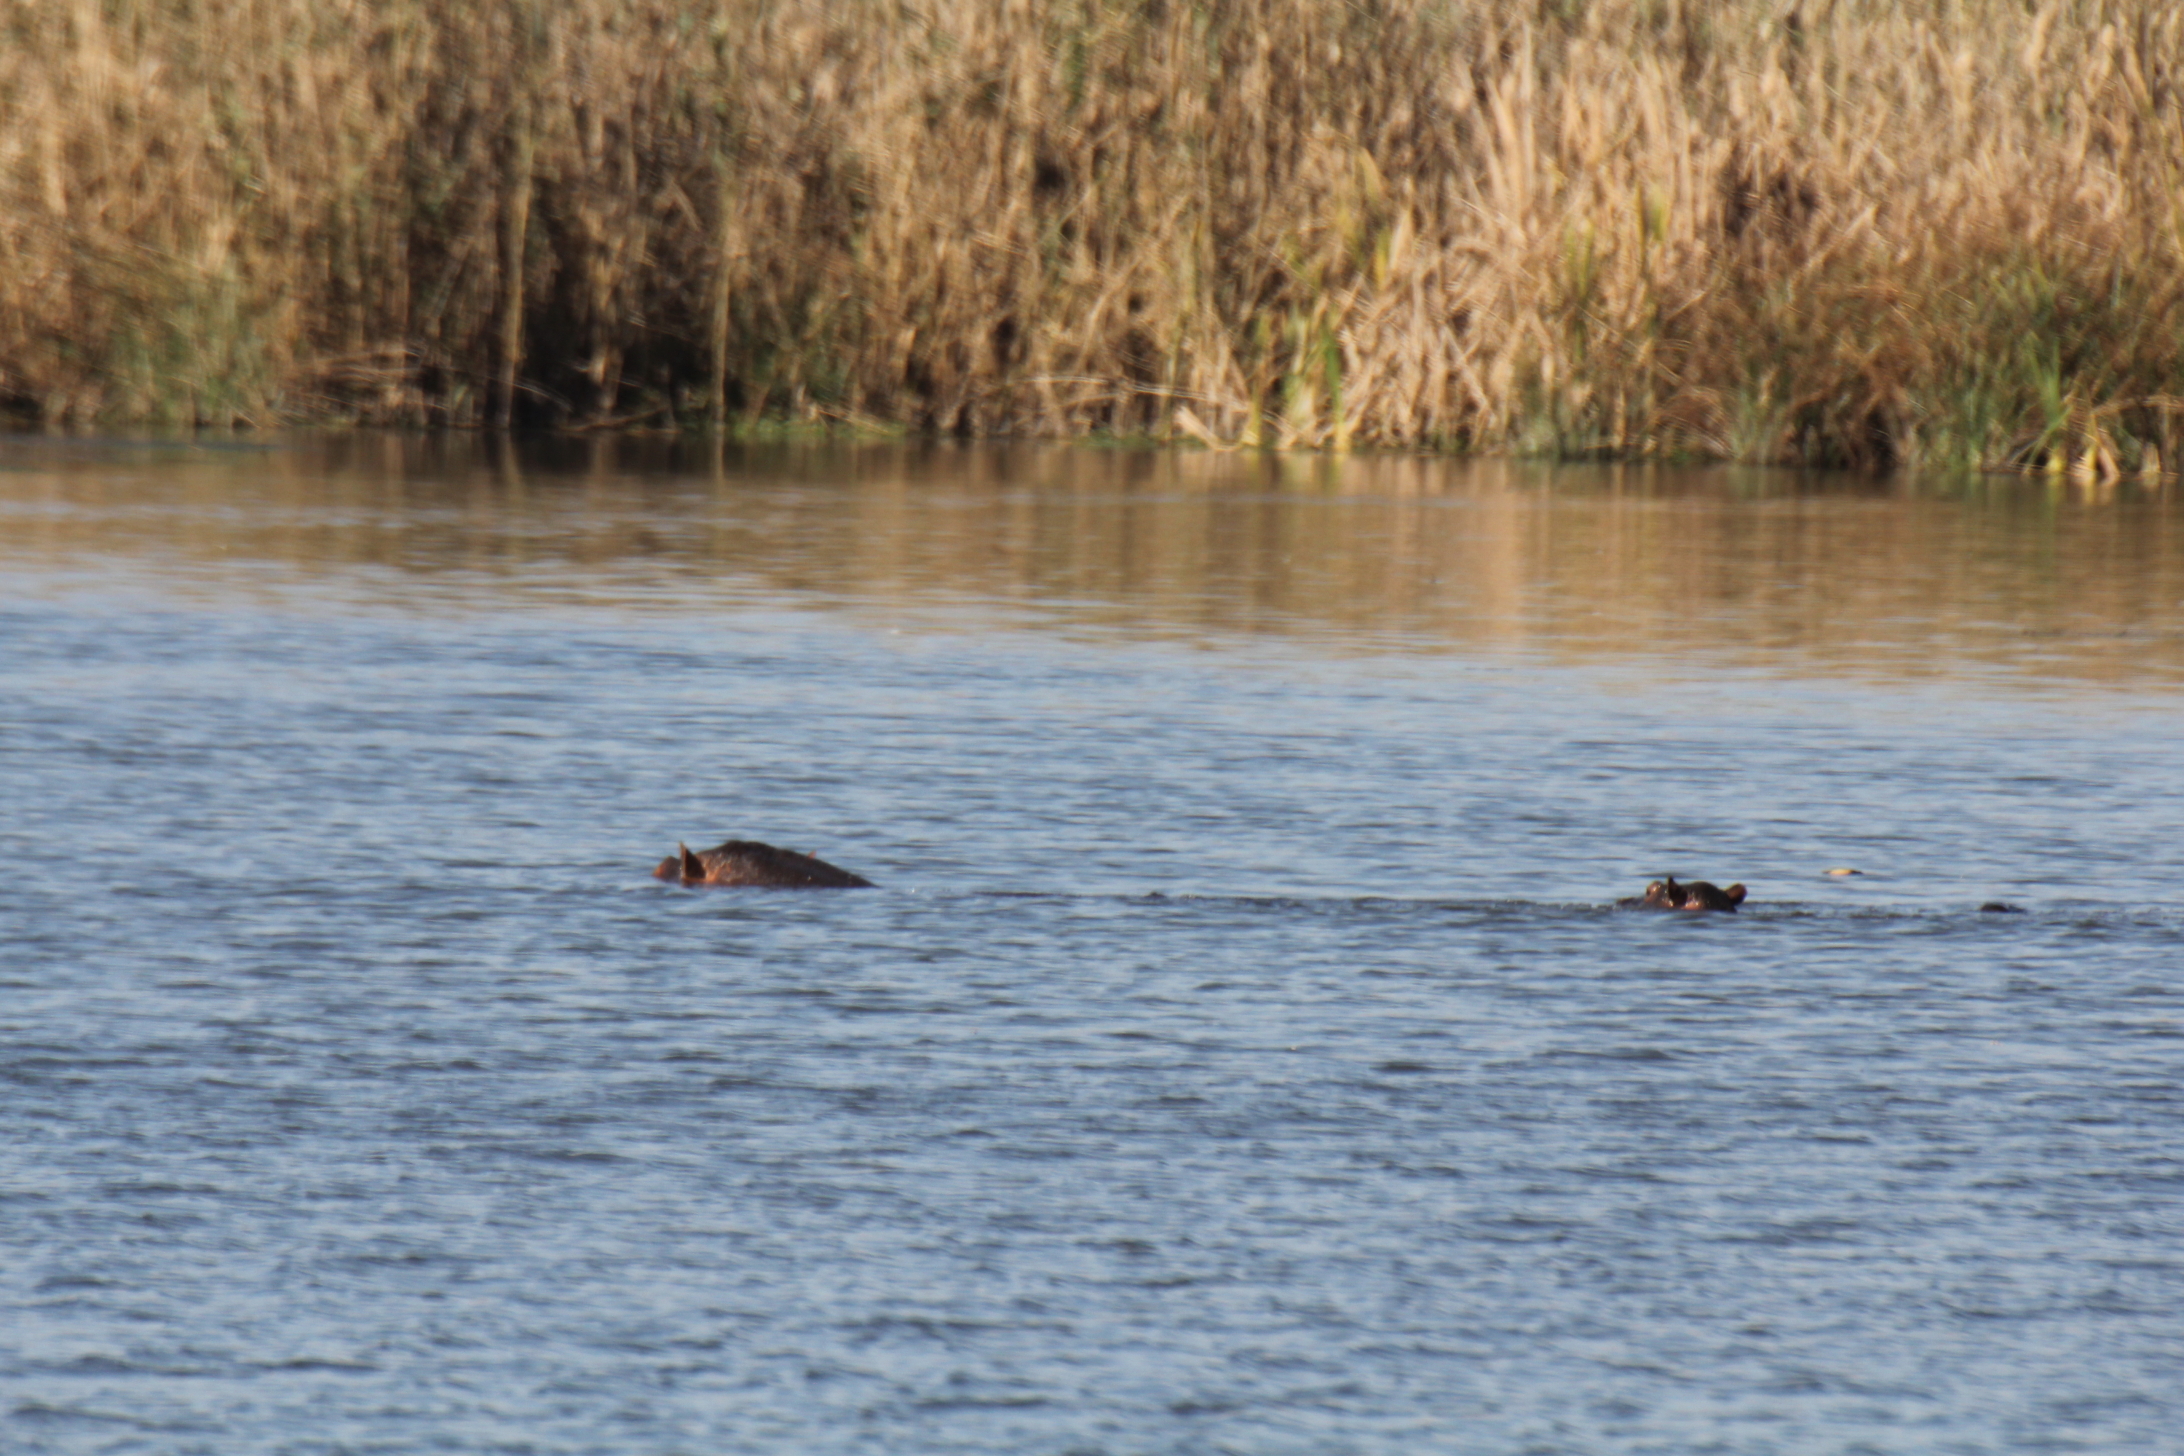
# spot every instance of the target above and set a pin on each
(1238, 1053)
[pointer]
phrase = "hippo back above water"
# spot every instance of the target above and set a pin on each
(1697, 895)
(750, 864)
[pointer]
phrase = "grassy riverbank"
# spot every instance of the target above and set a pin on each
(1831, 233)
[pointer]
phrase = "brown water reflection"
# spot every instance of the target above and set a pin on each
(1767, 569)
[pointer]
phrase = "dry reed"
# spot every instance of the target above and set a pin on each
(1848, 232)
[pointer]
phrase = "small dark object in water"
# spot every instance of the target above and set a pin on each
(1698, 895)
(746, 862)
(1998, 907)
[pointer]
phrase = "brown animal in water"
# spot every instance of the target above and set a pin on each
(746, 862)
(1698, 895)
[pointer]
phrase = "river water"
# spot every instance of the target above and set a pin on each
(1239, 1054)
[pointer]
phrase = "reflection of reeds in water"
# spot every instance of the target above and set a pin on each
(1848, 232)
(1647, 563)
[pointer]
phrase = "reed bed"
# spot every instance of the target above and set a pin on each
(1846, 233)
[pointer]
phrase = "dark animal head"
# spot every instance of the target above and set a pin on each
(1699, 895)
(1667, 894)
(747, 864)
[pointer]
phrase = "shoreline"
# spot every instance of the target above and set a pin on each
(1611, 232)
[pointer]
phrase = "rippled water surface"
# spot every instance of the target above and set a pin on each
(1239, 1054)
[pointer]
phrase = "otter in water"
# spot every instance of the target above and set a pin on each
(746, 862)
(1697, 895)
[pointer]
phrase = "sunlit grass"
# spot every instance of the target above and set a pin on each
(1858, 233)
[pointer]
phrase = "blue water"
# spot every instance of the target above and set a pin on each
(1239, 1054)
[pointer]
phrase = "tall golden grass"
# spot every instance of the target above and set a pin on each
(1829, 231)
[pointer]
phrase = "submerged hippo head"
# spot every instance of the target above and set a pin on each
(1699, 895)
(1667, 894)
(746, 862)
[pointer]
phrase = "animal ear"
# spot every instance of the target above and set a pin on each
(693, 868)
(1735, 894)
